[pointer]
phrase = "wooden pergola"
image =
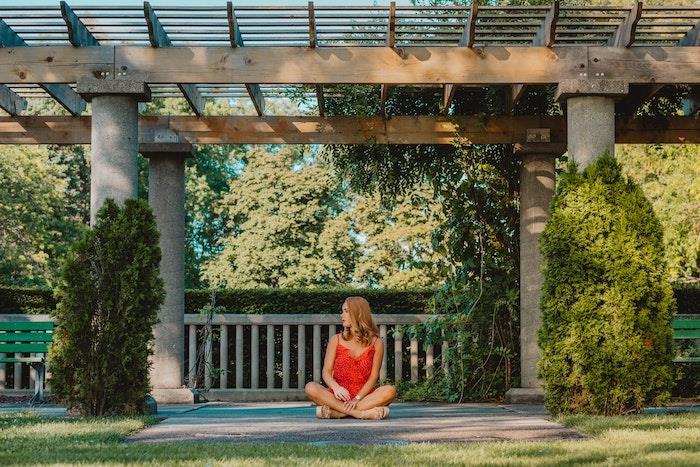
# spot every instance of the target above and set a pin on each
(605, 62)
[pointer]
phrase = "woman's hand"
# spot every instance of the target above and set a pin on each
(351, 404)
(341, 393)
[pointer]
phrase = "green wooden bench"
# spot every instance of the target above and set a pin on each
(687, 327)
(18, 337)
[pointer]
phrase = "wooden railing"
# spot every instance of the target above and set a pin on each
(271, 352)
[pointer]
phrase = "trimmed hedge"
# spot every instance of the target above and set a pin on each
(252, 301)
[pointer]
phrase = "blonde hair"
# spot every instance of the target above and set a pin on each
(361, 320)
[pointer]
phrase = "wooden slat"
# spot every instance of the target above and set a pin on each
(223, 356)
(5, 360)
(382, 336)
(398, 356)
(677, 334)
(208, 356)
(26, 337)
(285, 356)
(62, 93)
(466, 40)
(429, 360)
(312, 44)
(692, 37)
(625, 33)
(192, 355)
(17, 372)
(391, 26)
(236, 41)
(239, 356)
(159, 38)
(443, 359)
(301, 356)
(78, 34)
(22, 348)
(270, 356)
(686, 324)
(385, 89)
(26, 326)
(317, 353)
(3, 372)
(254, 358)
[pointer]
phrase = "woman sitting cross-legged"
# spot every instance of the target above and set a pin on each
(351, 369)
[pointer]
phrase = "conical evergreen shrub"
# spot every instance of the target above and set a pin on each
(607, 304)
(108, 301)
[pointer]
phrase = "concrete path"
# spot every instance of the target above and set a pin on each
(296, 422)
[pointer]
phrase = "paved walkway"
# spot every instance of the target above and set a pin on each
(296, 422)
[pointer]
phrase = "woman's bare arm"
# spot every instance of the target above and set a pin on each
(328, 362)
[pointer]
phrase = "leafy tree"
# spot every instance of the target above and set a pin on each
(108, 301)
(607, 304)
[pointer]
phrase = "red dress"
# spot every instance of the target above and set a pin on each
(352, 373)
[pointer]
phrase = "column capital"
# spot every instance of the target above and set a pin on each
(89, 87)
(181, 149)
(591, 87)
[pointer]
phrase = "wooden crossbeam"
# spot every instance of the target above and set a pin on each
(11, 102)
(62, 93)
(625, 33)
(466, 40)
(312, 44)
(159, 38)
(236, 40)
(78, 34)
(343, 130)
(352, 65)
(391, 43)
(545, 37)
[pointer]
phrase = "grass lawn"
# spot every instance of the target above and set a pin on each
(635, 440)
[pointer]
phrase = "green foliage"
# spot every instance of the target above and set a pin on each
(290, 301)
(607, 304)
(108, 301)
(26, 300)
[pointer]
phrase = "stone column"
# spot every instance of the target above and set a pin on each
(166, 195)
(536, 191)
(114, 138)
(590, 122)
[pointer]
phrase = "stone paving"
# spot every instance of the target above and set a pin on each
(408, 422)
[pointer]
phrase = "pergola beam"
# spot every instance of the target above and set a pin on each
(353, 65)
(344, 130)
(545, 37)
(625, 33)
(466, 40)
(236, 40)
(11, 102)
(78, 34)
(159, 38)
(391, 43)
(312, 44)
(62, 93)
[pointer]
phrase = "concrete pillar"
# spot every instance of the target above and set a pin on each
(166, 195)
(114, 138)
(536, 190)
(590, 122)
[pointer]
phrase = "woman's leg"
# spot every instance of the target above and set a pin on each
(321, 396)
(380, 397)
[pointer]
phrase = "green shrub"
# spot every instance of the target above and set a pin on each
(607, 304)
(108, 300)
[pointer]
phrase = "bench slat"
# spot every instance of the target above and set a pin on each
(687, 360)
(22, 348)
(686, 324)
(686, 334)
(25, 337)
(26, 326)
(21, 360)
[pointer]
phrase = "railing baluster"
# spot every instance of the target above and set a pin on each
(18, 373)
(382, 336)
(285, 356)
(223, 356)
(239, 356)
(317, 353)
(270, 356)
(208, 356)
(32, 374)
(192, 351)
(428, 360)
(301, 356)
(331, 331)
(398, 357)
(414, 360)
(3, 372)
(254, 362)
(443, 357)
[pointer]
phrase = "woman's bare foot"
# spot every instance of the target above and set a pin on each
(324, 411)
(376, 413)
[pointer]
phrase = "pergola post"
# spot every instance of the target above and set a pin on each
(166, 195)
(536, 190)
(590, 121)
(114, 138)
